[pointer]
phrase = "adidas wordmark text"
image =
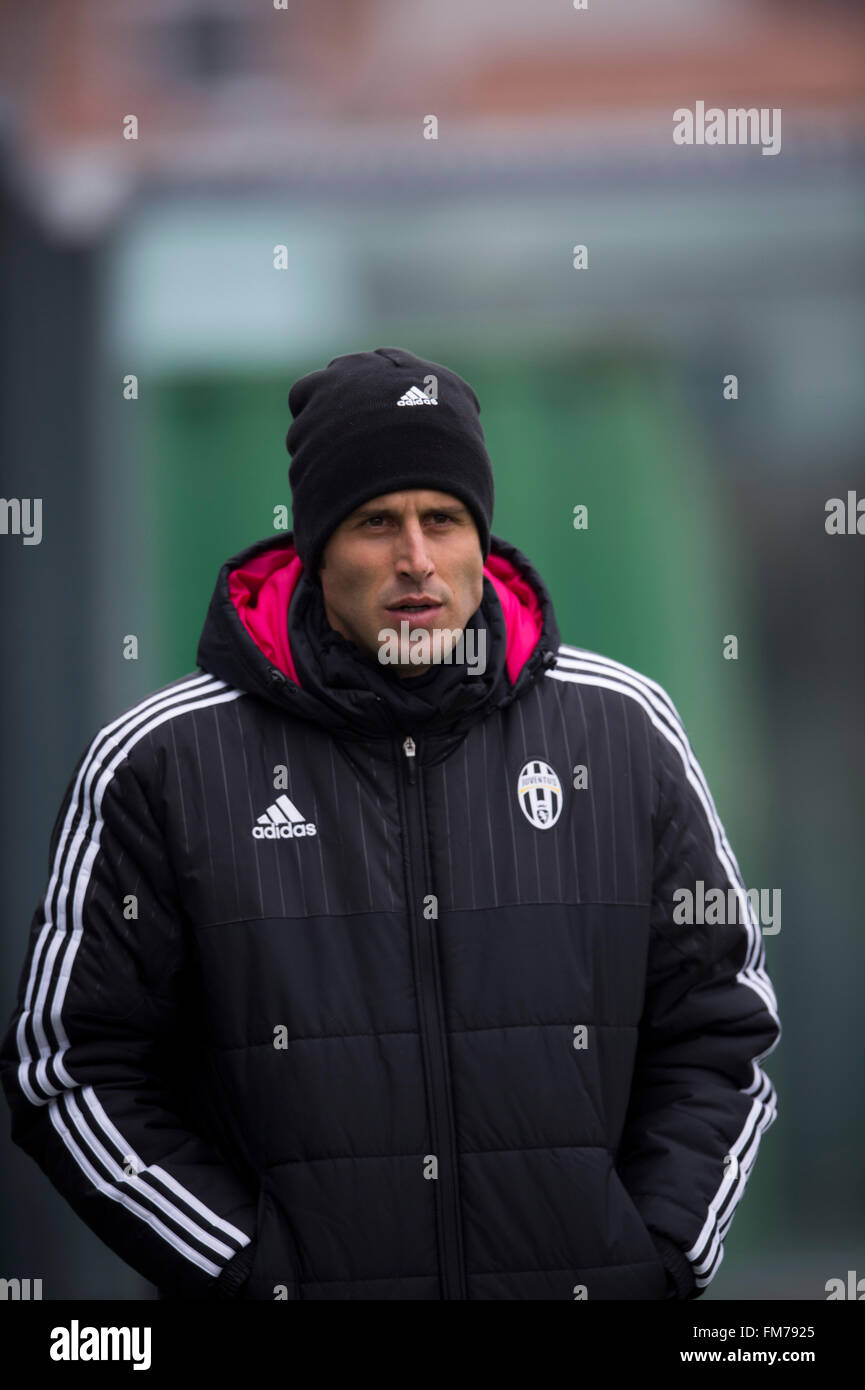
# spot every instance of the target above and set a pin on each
(282, 821)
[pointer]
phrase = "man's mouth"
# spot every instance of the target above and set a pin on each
(415, 609)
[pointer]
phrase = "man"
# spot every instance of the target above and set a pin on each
(357, 974)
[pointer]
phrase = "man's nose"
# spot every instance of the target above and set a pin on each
(412, 552)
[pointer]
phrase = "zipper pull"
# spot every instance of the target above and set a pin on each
(408, 747)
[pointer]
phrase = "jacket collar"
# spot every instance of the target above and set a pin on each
(266, 632)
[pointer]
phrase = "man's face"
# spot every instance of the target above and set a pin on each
(395, 548)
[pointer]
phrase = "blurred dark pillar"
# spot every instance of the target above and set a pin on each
(47, 353)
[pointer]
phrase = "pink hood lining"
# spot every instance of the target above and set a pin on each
(261, 591)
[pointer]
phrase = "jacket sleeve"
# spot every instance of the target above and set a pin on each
(97, 1036)
(700, 1101)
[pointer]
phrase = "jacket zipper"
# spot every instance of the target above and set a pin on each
(433, 1039)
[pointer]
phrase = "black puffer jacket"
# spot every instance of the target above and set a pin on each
(341, 990)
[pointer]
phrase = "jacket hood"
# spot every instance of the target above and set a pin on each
(260, 635)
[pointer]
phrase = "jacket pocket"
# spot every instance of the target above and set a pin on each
(649, 1279)
(275, 1273)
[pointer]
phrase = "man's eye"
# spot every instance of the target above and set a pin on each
(436, 516)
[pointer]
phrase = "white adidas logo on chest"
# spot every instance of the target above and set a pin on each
(282, 821)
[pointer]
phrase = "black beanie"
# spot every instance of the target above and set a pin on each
(368, 423)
